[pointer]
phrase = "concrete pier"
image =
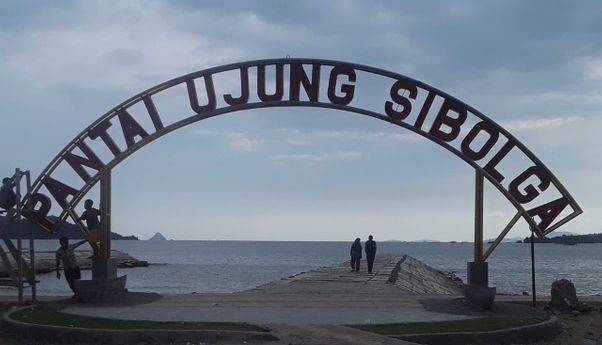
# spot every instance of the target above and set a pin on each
(403, 273)
(314, 307)
(327, 295)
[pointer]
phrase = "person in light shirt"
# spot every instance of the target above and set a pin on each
(66, 255)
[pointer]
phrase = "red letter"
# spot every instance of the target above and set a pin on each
(101, 131)
(530, 191)
(399, 85)
(152, 112)
(277, 96)
(490, 166)
(59, 190)
(548, 212)
(453, 123)
(346, 89)
(299, 77)
(244, 89)
(194, 98)
(494, 134)
(131, 129)
(90, 160)
(39, 215)
(425, 109)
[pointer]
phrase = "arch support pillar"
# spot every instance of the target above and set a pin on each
(104, 281)
(105, 214)
(477, 290)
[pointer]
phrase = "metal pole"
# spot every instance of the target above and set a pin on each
(105, 213)
(19, 257)
(478, 216)
(32, 264)
(533, 268)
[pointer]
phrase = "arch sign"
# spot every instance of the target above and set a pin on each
(516, 172)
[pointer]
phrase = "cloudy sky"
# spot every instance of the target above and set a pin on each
(304, 173)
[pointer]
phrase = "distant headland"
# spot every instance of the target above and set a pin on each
(68, 230)
(567, 239)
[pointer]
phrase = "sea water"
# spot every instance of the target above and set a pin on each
(229, 266)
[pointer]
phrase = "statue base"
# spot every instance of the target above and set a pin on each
(104, 283)
(477, 292)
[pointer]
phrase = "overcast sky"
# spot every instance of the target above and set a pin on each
(534, 67)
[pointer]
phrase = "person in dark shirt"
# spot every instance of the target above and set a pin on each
(356, 255)
(8, 198)
(91, 216)
(370, 248)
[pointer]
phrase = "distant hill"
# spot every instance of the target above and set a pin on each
(568, 239)
(520, 239)
(507, 240)
(560, 233)
(158, 237)
(68, 230)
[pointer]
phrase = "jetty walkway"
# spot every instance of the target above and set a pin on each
(329, 295)
(310, 308)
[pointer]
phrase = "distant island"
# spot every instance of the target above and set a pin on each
(567, 239)
(158, 237)
(68, 230)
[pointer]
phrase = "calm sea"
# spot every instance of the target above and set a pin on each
(227, 266)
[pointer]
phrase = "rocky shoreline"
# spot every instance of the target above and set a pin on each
(45, 261)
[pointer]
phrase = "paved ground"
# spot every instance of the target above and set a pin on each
(331, 335)
(329, 295)
(310, 308)
(295, 316)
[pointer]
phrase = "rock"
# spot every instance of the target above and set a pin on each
(584, 307)
(564, 296)
(45, 261)
(158, 237)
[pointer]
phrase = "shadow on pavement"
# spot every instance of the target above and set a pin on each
(458, 306)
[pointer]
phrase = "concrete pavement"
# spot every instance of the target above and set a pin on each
(263, 316)
(311, 308)
(328, 295)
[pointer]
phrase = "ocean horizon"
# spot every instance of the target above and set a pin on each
(222, 266)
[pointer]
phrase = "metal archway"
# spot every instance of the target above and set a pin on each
(535, 192)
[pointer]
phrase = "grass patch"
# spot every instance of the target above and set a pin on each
(472, 325)
(53, 317)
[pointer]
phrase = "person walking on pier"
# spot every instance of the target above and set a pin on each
(370, 248)
(70, 267)
(356, 255)
(91, 215)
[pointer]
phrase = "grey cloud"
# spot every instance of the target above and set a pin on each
(524, 64)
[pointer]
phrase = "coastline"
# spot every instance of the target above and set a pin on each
(181, 267)
(45, 261)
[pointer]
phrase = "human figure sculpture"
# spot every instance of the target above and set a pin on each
(8, 198)
(91, 216)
